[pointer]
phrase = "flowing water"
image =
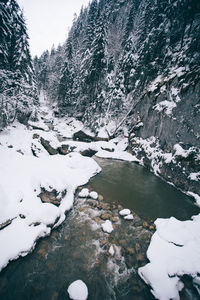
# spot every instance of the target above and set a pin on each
(79, 249)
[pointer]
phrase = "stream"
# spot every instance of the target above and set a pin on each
(79, 249)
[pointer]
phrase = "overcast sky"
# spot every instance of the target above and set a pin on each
(48, 21)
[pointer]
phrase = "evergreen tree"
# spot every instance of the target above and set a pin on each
(17, 84)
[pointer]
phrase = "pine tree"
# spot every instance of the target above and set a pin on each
(17, 84)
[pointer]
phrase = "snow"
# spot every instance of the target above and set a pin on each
(179, 151)
(18, 239)
(107, 226)
(195, 176)
(84, 193)
(123, 144)
(129, 217)
(93, 195)
(195, 196)
(21, 179)
(155, 83)
(171, 244)
(78, 290)
(117, 154)
(166, 106)
(39, 124)
(125, 212)
(22, 176)
(111, 250)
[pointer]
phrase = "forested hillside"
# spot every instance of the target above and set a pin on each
(136, 61)
(18, 94)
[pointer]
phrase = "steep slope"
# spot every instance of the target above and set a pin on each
(138, 61)
(18, 92)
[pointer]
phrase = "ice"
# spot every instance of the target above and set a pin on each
(84, 193)
(125, 212)
(173, 252)
(93, 195)
(78, 290)
(107, 226)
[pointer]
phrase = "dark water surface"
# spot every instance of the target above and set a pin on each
(78, 249)
(134, 187)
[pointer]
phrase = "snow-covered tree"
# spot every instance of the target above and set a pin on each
(18, 94)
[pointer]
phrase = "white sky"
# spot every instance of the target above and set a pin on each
(48, 21)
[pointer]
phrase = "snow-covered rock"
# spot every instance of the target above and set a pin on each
(173, 252)
(107, 226)
(93, 195)
(129, 217)
(125, 212)
(78, 290)
(111, 250)
(84, 193)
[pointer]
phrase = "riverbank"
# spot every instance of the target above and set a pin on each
(41, 168)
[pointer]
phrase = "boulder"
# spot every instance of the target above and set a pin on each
(88, 152)
(36, 136)
(48, 147)
(49, 197)
(84, 137)
(65, 149)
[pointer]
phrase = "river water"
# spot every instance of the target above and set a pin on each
(133, 186)
(79, 249)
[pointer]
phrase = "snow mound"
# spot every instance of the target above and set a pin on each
(125, 212)
(78, 290)
(173, 252)
(107, 226)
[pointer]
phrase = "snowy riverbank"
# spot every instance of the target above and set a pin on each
(26, 168)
